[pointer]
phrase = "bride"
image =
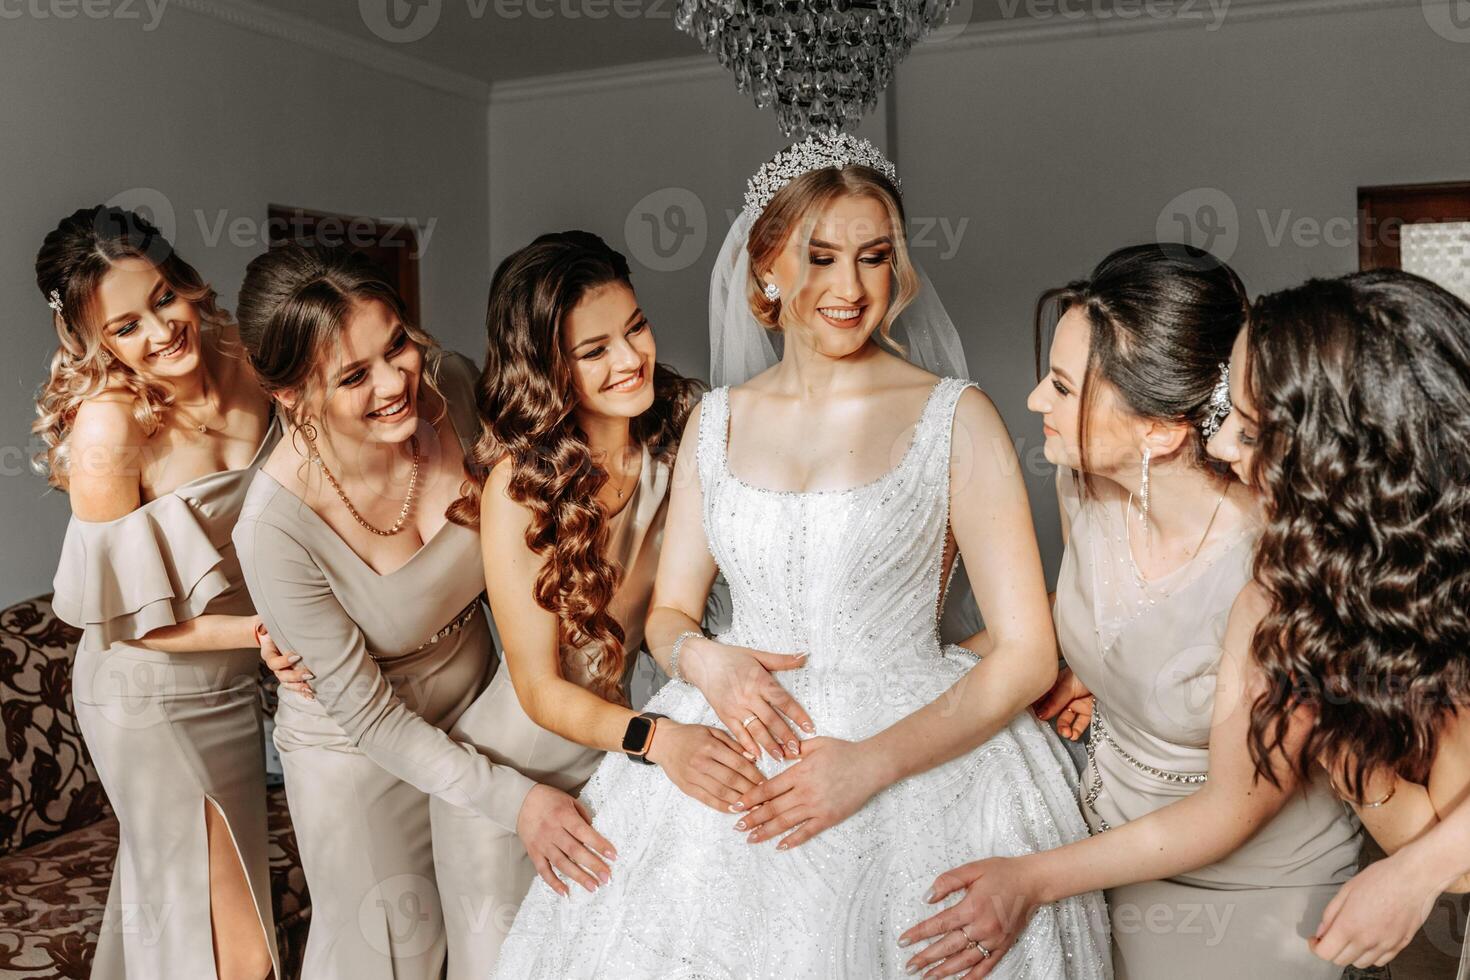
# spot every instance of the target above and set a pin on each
(833, 490)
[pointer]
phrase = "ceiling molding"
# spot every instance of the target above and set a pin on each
(1023, 30)
(671, 71)
(311, 34)
(979, 35)
(665, 71)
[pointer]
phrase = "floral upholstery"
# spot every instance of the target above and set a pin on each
(58, 836)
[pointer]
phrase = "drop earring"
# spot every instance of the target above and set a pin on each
(1144, 491)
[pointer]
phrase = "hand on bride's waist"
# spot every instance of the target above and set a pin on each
(737, 683)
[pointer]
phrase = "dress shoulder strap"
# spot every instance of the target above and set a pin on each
(932, 436)
(714, 413)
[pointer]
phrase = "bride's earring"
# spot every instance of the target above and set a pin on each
(772, 291)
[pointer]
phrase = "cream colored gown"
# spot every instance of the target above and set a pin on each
(168, 731)
(1150, 653)
(397, 660)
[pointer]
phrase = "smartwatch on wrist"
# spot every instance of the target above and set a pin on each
(639, 736)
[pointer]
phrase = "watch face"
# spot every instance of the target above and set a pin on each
(635, 739)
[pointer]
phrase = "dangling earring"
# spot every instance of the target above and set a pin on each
(772, 291)
(1143, 492)
(308, 431)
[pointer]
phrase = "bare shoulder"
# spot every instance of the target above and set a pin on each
(107, 421)
(1249, 608)
(104, 466)
(498, 511)
(977, 423)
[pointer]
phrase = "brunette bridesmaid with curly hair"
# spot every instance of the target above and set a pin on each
(581, 425)
(154, 425)
(1350, 422)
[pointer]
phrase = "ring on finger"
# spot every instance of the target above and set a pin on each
(747, 721)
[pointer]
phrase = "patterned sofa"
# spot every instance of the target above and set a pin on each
(57, 834)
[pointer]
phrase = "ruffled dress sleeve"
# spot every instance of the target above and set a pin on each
(120, 580)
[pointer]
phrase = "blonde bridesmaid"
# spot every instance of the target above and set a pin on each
(154, 425)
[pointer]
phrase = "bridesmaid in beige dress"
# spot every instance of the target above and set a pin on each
(1209, 874)
(1371, 580)
(154, 426)
(346, 547)
(570, 566)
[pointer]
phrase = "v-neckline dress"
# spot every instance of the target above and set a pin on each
(397, 658)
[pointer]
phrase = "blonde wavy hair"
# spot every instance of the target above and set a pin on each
(798, 205)
(74, 259)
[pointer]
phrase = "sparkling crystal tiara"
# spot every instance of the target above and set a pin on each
(816, 152)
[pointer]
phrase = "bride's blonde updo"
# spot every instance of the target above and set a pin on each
(74, 259)
(798, 205)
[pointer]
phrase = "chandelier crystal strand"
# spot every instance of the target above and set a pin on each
(820, 63)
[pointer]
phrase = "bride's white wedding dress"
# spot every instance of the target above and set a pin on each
(852, 577)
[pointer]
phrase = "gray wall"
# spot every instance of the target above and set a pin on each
(211, 120)
(1044, 147)
(1041, 146)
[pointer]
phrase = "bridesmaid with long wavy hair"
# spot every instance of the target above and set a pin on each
(1350, 423)
(581, 425)
(154, 425)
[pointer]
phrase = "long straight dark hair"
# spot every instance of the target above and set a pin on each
(1362, 386)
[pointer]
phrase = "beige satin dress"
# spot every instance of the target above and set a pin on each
(168, 731)
(1150, 652)
(397, 659)
(483, 869)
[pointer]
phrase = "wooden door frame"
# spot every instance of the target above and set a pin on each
(1384, 209)
(394, 244)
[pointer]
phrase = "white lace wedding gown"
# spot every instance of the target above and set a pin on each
(853, 578)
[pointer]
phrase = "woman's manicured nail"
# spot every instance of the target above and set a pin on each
(749, 756)
(792, 748)
(782, 846)
(295, 658)
(904, 942)
(929, 895)
(740, 825)
(753, 838)
(610, 855)
(809, 727)
(736, 807)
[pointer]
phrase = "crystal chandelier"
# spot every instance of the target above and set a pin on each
(820, 63)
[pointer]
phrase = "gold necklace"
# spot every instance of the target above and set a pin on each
(413, 479)
(1128, 546)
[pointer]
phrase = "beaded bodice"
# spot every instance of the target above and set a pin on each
(846, 575)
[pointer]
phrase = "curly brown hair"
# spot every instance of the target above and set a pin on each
(73, 260)
(1363, 455)
(527, 403)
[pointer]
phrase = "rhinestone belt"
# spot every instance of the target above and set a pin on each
(1099, 729)
(454, 626)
